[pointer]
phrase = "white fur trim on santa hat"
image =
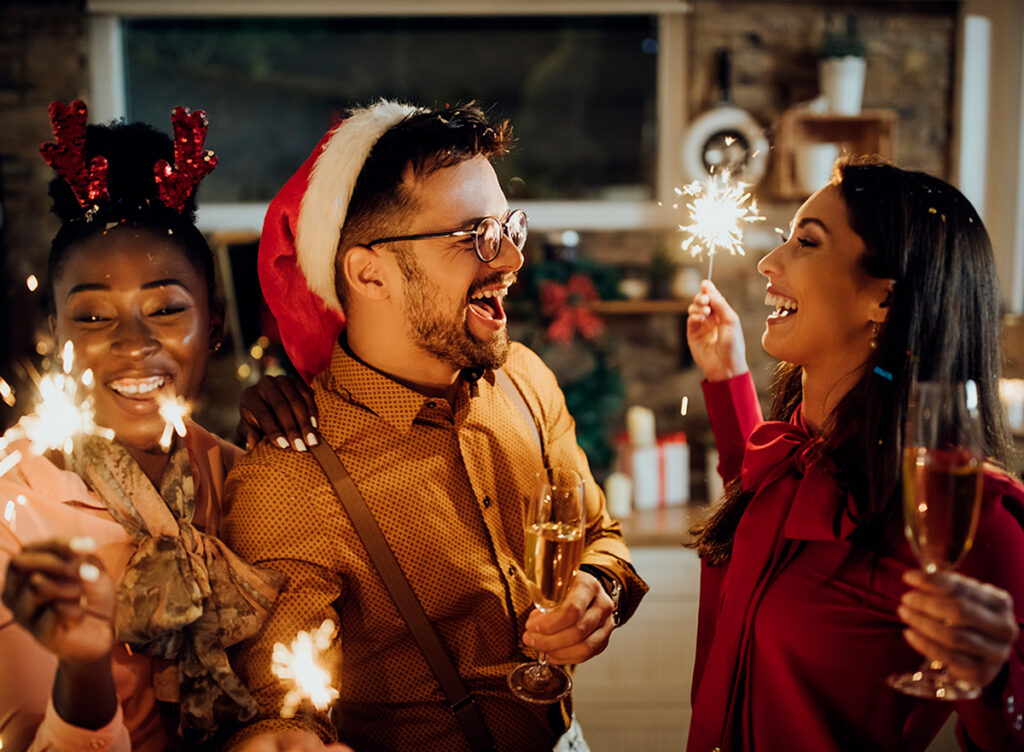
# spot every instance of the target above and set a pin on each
(331, 183)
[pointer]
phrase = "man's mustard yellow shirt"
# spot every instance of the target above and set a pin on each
(447, 485)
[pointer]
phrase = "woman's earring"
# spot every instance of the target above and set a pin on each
(874, 335)
(217, 345)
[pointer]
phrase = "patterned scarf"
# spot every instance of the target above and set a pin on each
(184, 596)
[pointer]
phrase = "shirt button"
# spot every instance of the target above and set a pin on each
(511, 571)
(487, 504)
(1018, 722)
(431, 404)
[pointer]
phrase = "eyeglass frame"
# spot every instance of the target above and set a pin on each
(475, 232)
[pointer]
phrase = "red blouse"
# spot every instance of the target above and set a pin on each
(791, 652)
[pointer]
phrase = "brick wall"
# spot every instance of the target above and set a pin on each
(774, 45)
(42, 58)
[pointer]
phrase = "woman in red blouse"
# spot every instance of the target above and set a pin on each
(810, 595)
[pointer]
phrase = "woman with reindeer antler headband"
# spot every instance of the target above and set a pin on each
(119, 600)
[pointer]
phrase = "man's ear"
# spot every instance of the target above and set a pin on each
(364, 273)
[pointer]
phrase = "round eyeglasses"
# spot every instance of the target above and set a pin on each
(488, 235)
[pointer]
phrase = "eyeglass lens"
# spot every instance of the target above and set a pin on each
(490, 234)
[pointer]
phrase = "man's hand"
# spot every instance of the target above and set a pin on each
(288, 741)
(968, 625)
(578, 629)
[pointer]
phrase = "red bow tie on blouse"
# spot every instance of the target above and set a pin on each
(785, 456)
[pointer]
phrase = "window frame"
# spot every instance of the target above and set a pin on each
(108, 91)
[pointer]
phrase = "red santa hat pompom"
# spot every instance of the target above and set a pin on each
(301, 233)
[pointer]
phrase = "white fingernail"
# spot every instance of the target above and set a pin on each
(282, 442)
(312, 420)
(82, 544)
(311, 439)
(89, 572)
(299, 446)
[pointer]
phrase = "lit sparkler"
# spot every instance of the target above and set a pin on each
(62, 412)
(718, 208)
(300, 666)
(173, 410)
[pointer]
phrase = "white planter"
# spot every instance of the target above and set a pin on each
(814, 165)
(842, 83)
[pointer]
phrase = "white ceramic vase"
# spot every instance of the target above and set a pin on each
(842, 83)
(814, 165)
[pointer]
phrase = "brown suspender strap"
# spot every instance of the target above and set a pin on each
(515, 396)
(459, 698)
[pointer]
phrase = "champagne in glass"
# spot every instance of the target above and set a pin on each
(942, 481)
(941, 489)
(554, 524)
(553, 550)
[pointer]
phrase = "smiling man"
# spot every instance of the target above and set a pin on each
(398, 218)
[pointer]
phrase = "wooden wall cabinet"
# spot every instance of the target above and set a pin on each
(871, 132)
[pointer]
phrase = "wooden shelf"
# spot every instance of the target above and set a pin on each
(871, 132)
(637, 307)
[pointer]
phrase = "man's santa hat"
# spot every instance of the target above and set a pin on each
(302, 230)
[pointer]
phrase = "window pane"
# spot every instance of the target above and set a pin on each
(580, 91)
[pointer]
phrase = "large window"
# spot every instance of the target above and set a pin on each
(579, 90)
(586, 85)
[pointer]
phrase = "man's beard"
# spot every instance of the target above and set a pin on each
(447, 338)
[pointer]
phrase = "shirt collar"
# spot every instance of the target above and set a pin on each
(363, 385)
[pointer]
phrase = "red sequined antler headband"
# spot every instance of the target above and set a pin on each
(192, 163)
(174, 183)
(66, 154)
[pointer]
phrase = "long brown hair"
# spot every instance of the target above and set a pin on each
(943, 324)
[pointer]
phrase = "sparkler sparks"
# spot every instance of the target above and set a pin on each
(173, 410)
(9, 461)
(299, 665)
(6, 393)
(62, 411)
(718, 208)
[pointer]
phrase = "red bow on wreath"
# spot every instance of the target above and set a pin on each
(567, 306)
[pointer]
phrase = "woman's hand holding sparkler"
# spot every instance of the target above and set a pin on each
(59, 592)
(714, 335)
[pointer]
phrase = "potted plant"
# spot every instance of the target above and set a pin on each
(842, 67)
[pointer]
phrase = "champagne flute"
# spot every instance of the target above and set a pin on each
(554, 523)
(942, 479)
